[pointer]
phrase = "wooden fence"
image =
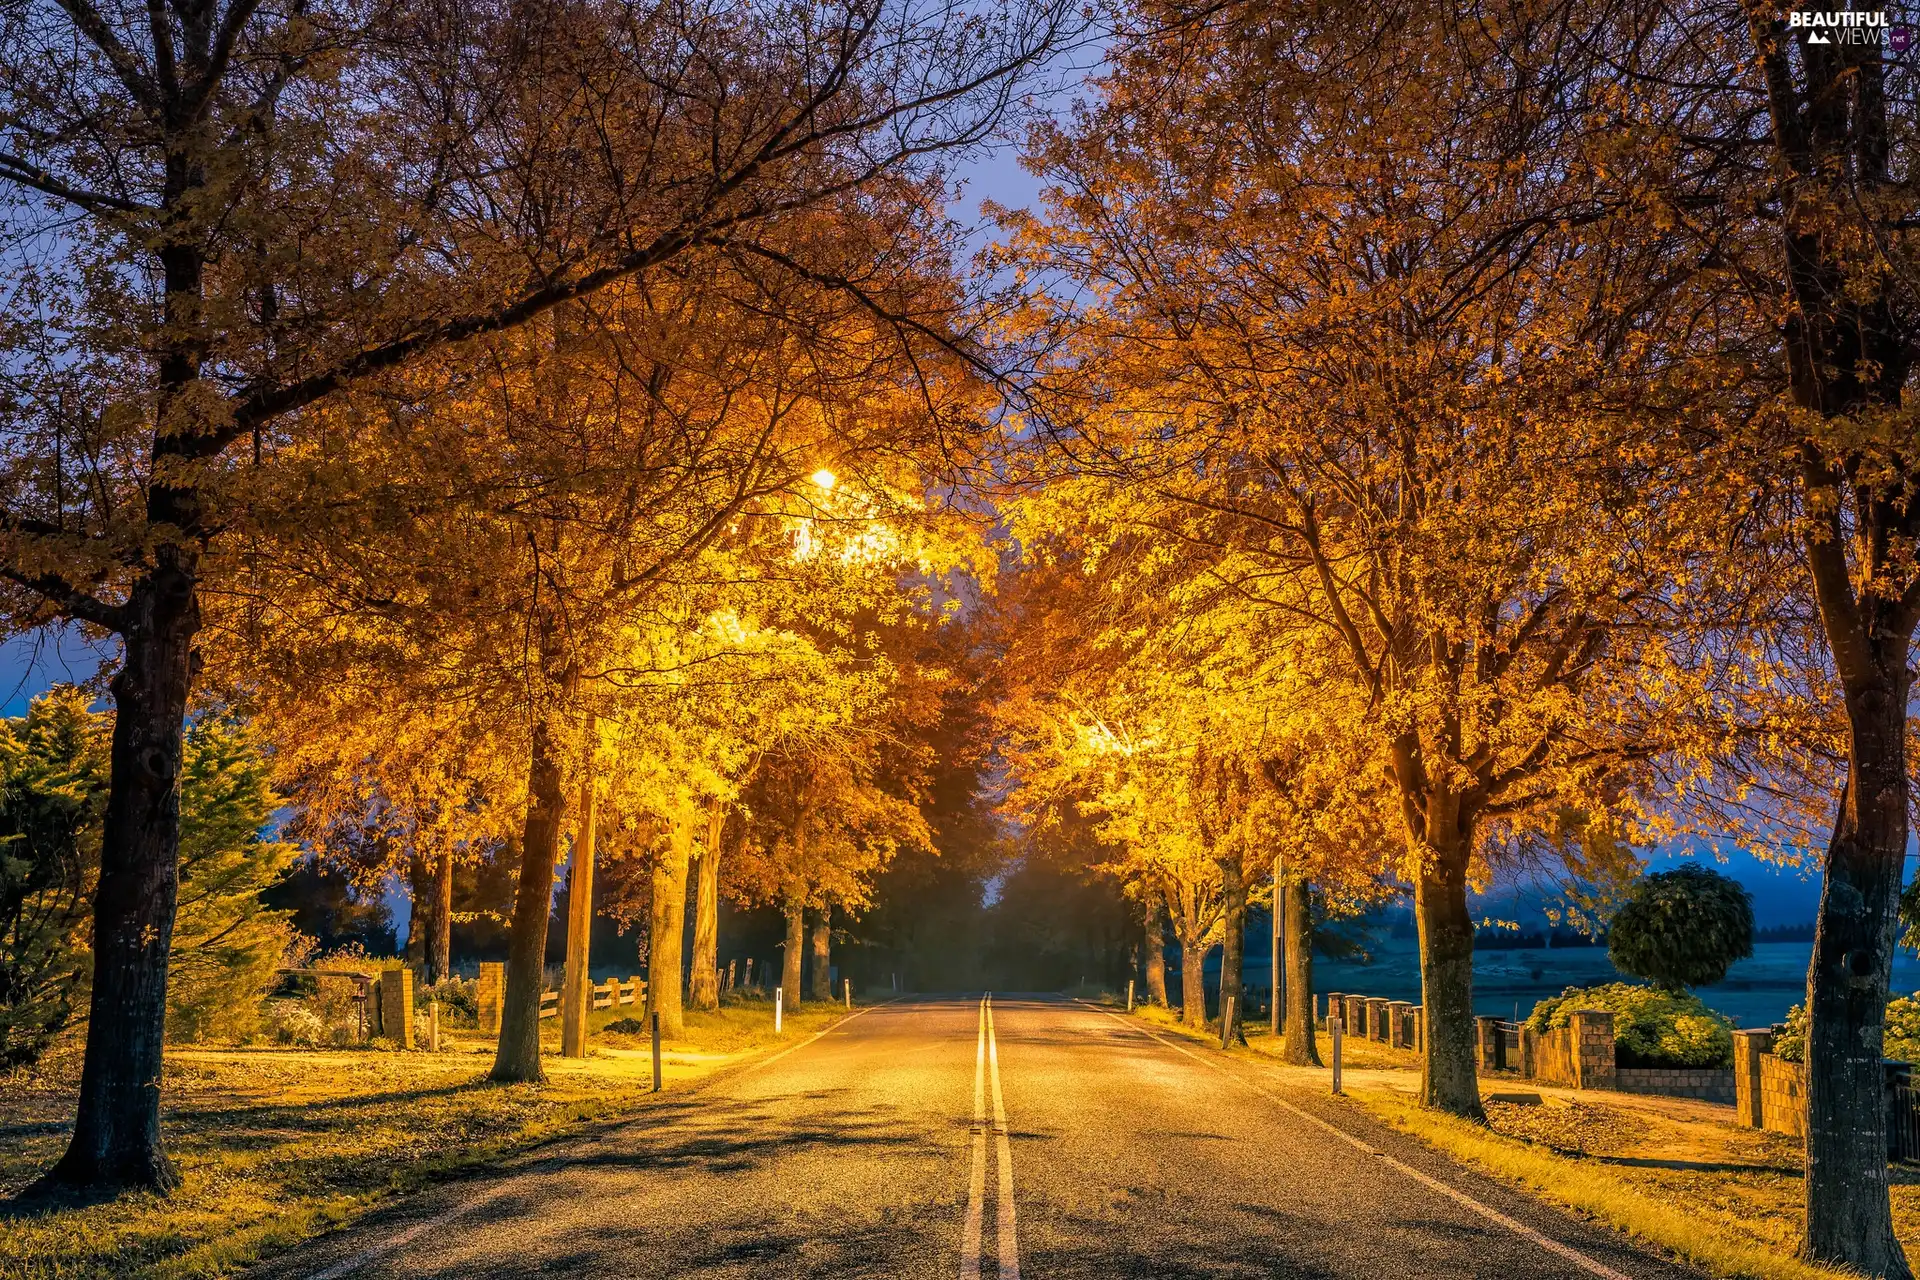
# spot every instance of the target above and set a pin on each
(610, 994)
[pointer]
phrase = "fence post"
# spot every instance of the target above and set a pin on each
(493, 977)
(1591, 1033)
(396, 1005)
(1486, 1029)
(433, 1025)
(779, 995)
(656, 1052)
(1333, 1027)
(1747, 1048)
(1399, 1028)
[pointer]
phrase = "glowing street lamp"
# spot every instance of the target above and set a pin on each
(825, 479)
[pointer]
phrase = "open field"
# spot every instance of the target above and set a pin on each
(278, 1144)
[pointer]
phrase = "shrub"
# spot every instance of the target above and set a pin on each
(1651, 1027)
(226, 942)
(1682, 928)
(326, 1011)
(459, 1001)
(1902, 1031)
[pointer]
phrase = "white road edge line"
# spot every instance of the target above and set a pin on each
(1492, 1214)
(401, 1239)
(977, 1179)
(1004, 1229)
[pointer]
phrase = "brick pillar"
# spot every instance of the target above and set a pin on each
(1336, 1007)
(1529, 1051)
(1487, 1036)
(1355, 1009)
(1419, 1028)
(1399, 1030)
(396, 1006)
(1592, 1049)
(493, 981)
(1747, 1048)
(1377, 1019)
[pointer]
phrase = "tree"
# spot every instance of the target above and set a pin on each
(229, 941)
(246, 209)
(383, 785)
(1682, 928)
(54, 787)
(1782, 163)
(1385, 386)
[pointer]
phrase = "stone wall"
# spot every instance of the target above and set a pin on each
(1769, 1092)
(1783, 1096)
(1576, 1056)
(1709, 1084)
(1548, 1056)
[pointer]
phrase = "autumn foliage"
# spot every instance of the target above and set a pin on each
(1399, 446)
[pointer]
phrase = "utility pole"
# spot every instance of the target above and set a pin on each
(576, 993)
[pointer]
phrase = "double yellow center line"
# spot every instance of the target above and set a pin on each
(986, 1067)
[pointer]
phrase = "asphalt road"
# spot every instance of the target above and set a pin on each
(934, 1138)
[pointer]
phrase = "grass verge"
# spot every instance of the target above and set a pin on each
(278, 1145)
(1733, 1220)
(1676, 1175)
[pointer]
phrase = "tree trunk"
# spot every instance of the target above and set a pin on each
(116, 1137)
(703, 983)
(1449, 1078)
(1848, 343)
(1193, 984)
(1296, 906)
(790, 956)
(420, 916)
(517, 1058)
(667, 951)
(576, 991)
(1849, 1219)
(1233, 948)
(1156, 952)
(440, 940)
(822, 955)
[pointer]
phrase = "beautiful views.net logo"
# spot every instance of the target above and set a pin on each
(1852, 26)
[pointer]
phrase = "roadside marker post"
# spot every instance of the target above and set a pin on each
(656, 1053)
(1226, 1023)
(433, 1026)
(846, 988)
(1129, 995)
(779, 994)
(1333, 1026)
